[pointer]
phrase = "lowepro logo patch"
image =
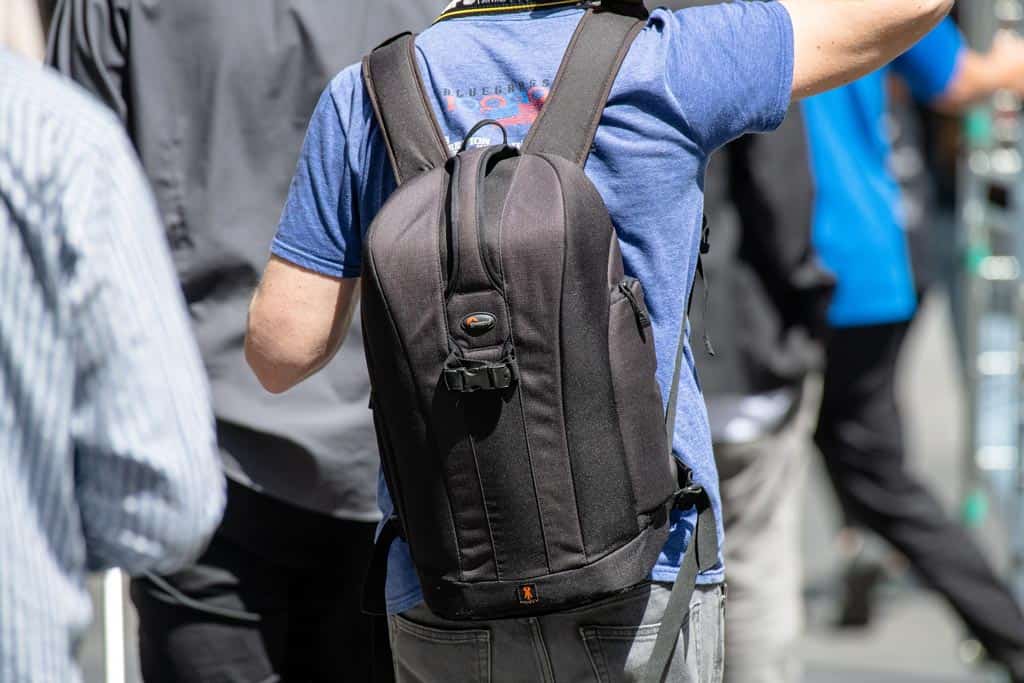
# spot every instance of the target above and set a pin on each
(478, 323)
(527, 594)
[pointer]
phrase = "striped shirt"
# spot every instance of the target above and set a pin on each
(107, 449)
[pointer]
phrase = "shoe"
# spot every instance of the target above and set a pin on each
(860, 583)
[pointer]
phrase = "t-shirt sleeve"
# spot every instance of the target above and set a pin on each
(320, 228)
(930, 66)
(731, 69)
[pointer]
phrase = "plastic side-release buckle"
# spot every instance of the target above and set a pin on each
(483, 377)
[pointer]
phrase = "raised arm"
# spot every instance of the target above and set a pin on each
(838, 41)
(979, 75)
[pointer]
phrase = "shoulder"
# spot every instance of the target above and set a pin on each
(64, 148)
(346, 93)
(38, 103)
(712, 23)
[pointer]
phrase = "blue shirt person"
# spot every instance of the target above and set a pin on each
(107, 450)
(859, 233)
(858, 230)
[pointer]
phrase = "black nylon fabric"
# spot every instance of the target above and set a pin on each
(600, 470)
(414, 140)
(568, 122)
(553, 490)
(533, 250)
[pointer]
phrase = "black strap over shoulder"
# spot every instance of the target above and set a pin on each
(414, 140)
(568, 122)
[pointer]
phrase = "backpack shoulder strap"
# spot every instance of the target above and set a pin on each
(414, 140)
(572, 112)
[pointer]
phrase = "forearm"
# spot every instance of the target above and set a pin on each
(277, 367)
(297, 321)
(839, 41)
(979, 76)
(976, 79)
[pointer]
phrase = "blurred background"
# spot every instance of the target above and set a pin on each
(960, 379)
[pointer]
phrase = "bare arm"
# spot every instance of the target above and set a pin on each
(297, 321)
(838, 41)
(980, 75)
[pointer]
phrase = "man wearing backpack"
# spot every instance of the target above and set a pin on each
(464, 298)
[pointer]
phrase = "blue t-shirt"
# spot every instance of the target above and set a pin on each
(858, 229)
(692, 81)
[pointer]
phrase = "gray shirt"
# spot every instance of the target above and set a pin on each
(107, 453)
(216, 97)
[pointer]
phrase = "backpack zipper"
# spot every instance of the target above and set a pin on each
(643, 320)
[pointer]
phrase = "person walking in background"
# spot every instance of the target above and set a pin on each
(766, 317)
(858, 233)
(691, 82)
(215, 97)
(107, 450)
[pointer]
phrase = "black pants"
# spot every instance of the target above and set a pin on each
(287, 584)
(860, 435)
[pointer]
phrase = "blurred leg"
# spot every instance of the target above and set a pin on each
(762, 486)
(180, 643)
(329, 638)
(859, 434)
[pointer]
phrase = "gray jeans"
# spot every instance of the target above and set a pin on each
(607, 642)
(762, 485)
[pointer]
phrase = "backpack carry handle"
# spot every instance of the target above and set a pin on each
(483, 124)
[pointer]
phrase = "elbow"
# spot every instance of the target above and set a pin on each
(944, 7)
(204, 506)
(274, 362)
(934, 11)
(162, 529)
(270, 375)
(195, 499)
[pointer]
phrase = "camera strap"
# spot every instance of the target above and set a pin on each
(470, 8)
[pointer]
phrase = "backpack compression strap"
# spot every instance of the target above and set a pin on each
(572, 111)
(414, 140)
(702, 553)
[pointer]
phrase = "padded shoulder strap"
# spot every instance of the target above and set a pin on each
(413, 138)
(569, 119)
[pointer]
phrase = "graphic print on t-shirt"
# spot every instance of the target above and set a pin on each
(514, 105)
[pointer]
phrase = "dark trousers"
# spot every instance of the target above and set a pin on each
(276, 597)
(860, 436)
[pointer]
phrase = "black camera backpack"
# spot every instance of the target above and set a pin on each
(520, 424)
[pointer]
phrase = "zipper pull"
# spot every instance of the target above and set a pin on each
(642, 319)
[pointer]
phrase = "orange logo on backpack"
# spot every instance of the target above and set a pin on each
(527, 594)
(478, 323)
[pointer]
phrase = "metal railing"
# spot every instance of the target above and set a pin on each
(991, 296)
